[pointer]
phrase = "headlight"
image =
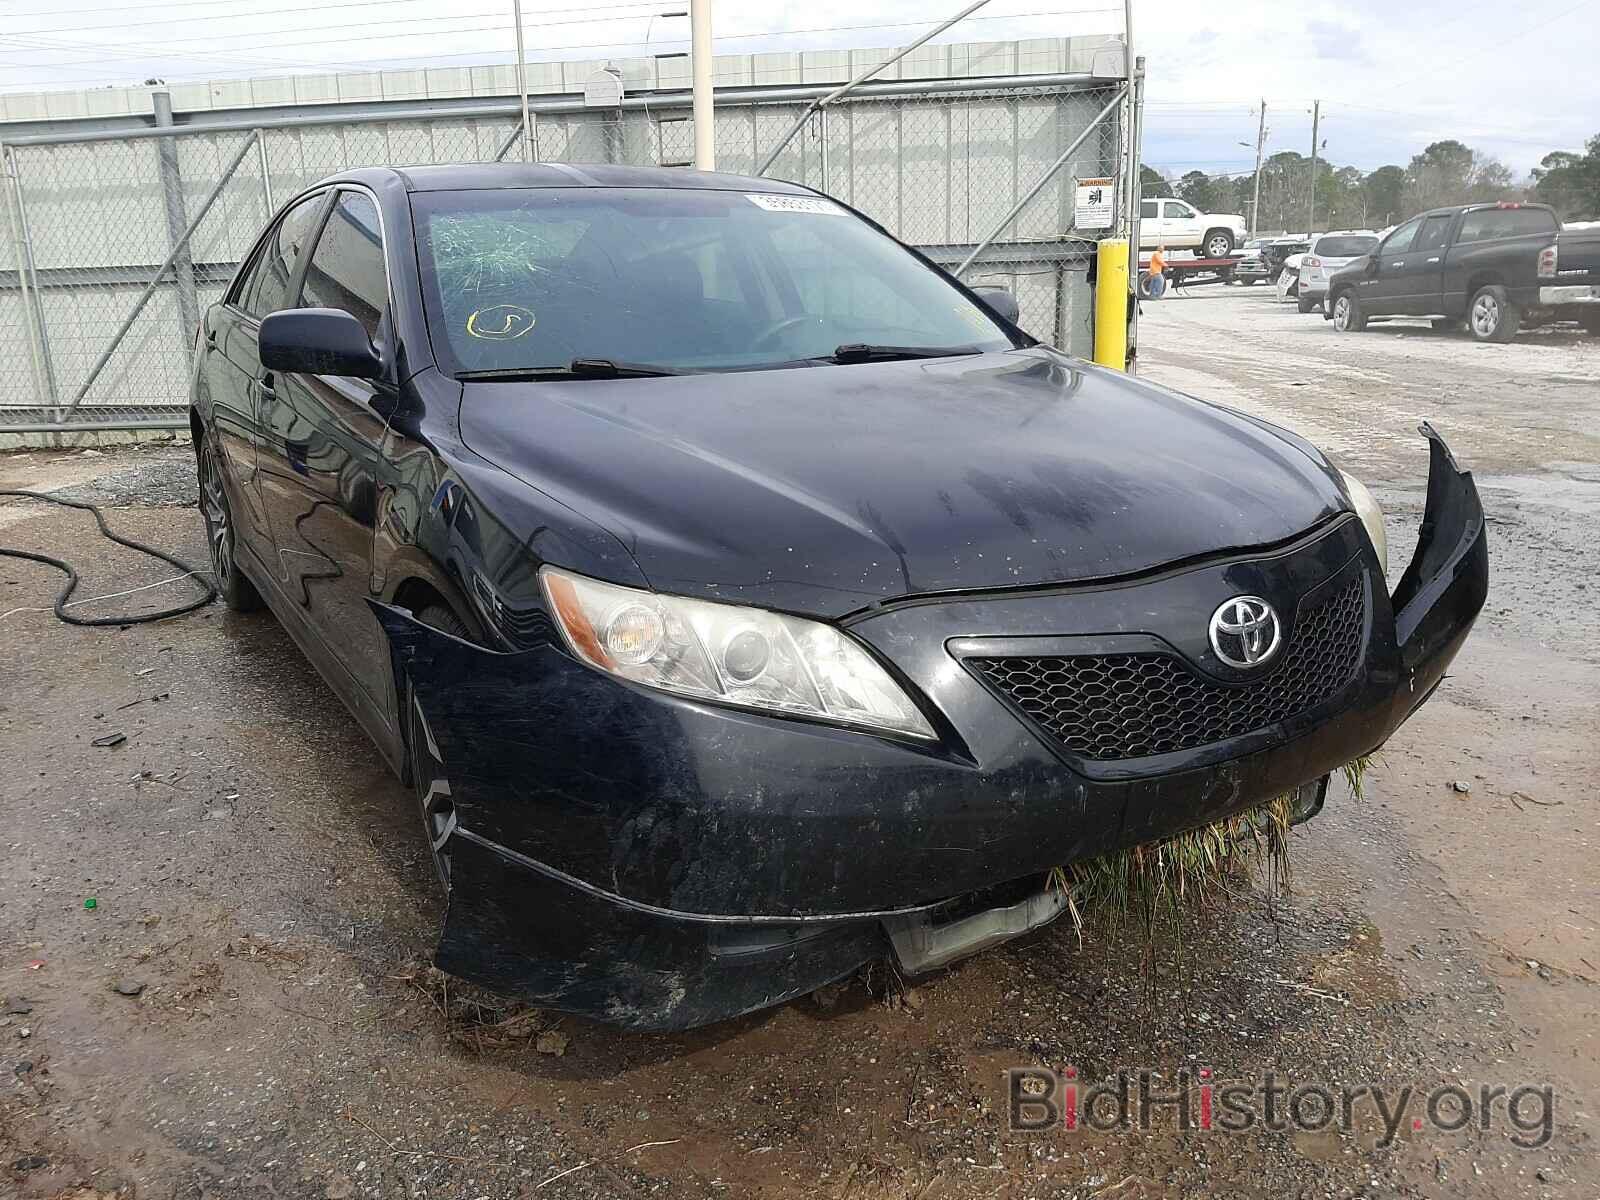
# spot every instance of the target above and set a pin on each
(744, 656)
(1371, 516)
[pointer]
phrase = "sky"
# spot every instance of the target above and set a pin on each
(1515, 78)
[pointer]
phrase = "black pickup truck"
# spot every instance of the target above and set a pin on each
(1494, 266)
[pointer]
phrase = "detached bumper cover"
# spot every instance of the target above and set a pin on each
(660, 863)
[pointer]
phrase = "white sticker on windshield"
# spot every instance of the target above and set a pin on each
(801, 204)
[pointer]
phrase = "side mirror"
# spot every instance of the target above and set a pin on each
(1000, 301)
(1372, 263)
(318, 341)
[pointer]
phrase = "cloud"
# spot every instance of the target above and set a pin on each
(1338, 42)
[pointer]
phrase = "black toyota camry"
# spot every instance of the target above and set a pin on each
(746, 600)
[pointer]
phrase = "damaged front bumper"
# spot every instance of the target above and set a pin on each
(660, 863)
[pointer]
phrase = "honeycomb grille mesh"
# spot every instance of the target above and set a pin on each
(1114, 706)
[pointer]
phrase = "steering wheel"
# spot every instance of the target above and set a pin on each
(777, 329)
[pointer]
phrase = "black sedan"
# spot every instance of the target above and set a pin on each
(745, 600)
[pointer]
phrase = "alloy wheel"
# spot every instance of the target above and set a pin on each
(1217, 247)
(1341, 314)
(1485, 315)
(214, 510)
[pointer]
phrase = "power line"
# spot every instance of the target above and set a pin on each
(649, 11)
(422, 62)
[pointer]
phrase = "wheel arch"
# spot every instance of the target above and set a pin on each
(1482, 279)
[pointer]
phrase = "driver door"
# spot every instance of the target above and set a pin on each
(1385, 291)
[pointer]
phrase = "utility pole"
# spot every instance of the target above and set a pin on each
(705, 130)
(1261, 141)
(1311, 219)
(522, 85)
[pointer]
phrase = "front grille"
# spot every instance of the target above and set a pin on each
(1112, 706)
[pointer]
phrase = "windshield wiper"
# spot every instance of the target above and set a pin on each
(578, 368)
(860, 352)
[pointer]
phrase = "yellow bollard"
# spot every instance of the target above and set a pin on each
(1111, 304)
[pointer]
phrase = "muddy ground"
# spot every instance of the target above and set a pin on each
(259, 882)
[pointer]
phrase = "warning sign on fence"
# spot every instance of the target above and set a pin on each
(1095, 204)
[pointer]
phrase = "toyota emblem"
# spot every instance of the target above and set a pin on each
(1245, 632)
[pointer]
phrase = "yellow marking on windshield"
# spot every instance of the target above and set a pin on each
(500, 322)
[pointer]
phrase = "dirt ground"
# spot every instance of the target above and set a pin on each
(259, 882)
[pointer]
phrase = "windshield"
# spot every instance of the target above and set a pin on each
(677, 279)
(1349, 246)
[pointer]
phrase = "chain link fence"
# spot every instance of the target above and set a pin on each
(111, 248)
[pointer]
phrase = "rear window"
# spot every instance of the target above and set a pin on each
(1489, 223)
(1346, 246)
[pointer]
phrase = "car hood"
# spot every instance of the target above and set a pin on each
(825, 490)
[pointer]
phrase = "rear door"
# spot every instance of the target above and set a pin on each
(233, 362)
(1384, 292)
(1424, 270)
(319, 468)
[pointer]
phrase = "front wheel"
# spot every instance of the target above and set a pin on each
(1218, 243)
(237, 592)
(1492, 316)
(1347, 314)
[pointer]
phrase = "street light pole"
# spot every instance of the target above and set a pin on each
(1311, 219)
(1261, 141)
(705, 132)
(522, 85)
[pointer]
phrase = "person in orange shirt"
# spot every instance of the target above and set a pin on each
(1155, 280)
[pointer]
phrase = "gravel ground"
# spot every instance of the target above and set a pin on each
(260, 886)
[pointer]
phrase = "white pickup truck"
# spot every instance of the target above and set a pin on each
(1178, 225)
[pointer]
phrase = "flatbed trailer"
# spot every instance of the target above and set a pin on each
(1180, 272)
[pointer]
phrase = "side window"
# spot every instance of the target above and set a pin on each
(1176, 210)
(1489, 223)
(268, 291)
(1434, 230)
(1147, 210)
(346, 269)
(1400, 240)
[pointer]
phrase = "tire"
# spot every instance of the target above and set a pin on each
(1491, 317)
(1307, 304)
(429, 781)
(1217, 243)
(1347, 314)
(233, 589)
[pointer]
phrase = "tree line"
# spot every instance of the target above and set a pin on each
(1446, 172)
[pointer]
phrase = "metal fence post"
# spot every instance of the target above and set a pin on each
(266, 174)
(172, 199)
(1135, 187)
(28, 274)
(35, 357)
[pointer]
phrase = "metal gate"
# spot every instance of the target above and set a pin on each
(112, 245)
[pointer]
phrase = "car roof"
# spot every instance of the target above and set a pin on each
(1451, 210)
(489, 176)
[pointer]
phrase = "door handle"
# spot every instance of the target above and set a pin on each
(1398, 264)
(264, 385)
(1434, 259)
